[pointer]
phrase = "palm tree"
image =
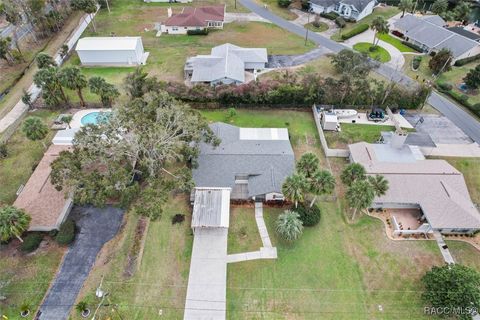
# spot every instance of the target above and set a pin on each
(294, 188)
(308, 164)
(87, 6)
(13, 222)
(360, 196)
(289, 226)
(379, 25)
(352, 172)
(44, 60)
(322, 182)
(73, 79)
(34, 129)
(52, 91)
(106, 91)
(405, 5)
(379, 184)
(27, 99)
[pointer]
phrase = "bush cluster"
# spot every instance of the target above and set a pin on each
(329, 15)
(416, 62)
(356, 30)
(284, 3)
(461, 62)
(3, 150)
(310, 216)
(340, 22)
(200, 32)
(413, 46)
(66, 234)
(31, 242)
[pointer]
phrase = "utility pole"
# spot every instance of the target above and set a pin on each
(306, 33)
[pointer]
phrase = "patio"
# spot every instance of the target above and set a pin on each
(406, 219)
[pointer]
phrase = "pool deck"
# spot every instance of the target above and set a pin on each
(77, 117)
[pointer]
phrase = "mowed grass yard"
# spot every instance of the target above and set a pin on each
(168, 53)
(336, 270)
(352, 133)
(378, 53)
(23, 155)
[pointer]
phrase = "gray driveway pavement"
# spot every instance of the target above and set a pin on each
(440, 128)
(455, 113)
(281, 61)
(96, 227)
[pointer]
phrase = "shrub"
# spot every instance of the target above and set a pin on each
(340, 22)
(413, 46)
(31, 242)
(66, 234)
(445, 86)
(178, 218)
(416, 62)
(357, 30)
(3, 151)
(284, 3)
(289, 226)
(329, 15)
(461, 62)
(309, 216)
(200, 32)
(305, 5)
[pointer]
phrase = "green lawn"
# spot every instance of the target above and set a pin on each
(243, 235)
(375, 52)
(385, 12)
(352, 133)
(161, 280)
(322, 27)
(29, 276)
(23, 154)
(397, 43)
(273, 6)
(454, 76)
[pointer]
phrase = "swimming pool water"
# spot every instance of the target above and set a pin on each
(94, 118)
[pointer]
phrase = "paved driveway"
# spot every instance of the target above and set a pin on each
(207, 281)
(281, 61)
(440, 128)
(96, 227)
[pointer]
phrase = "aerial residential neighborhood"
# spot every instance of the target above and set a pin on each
(239, 159)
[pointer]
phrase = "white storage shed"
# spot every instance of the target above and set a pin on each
(329, 121)
(111, 51)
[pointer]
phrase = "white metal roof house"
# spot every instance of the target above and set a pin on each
(434, 187)
(429, 33)
(350, 9)
(111, 51)
(253, 162)
(226, 64)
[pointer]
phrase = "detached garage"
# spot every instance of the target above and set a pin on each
(111, 51)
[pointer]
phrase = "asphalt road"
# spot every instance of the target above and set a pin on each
(456, 114)
(96, 227)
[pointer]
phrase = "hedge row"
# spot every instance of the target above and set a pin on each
(413, 46)
(357, 30)
(329, 15)
(464, 61)
(446, 88)
(200, 32)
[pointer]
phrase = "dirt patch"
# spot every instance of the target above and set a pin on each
(136, 250)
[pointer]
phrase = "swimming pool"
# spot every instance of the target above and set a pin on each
(94, 117)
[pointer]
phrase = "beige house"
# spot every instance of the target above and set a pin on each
(434, 187)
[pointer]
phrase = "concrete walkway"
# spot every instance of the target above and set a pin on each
(447, 256)
(265, 252)
(96, 227)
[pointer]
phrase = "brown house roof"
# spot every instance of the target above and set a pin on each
(196, 17)
(40, 199)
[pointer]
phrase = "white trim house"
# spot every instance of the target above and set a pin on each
(349, 9)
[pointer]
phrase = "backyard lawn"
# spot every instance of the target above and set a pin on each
(352, 133)
(375, 52)
(23, 155)
(397, 43)
(385, 12)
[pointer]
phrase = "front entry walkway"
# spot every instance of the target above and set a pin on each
(447, 256)
(97, 226)
(265, 252)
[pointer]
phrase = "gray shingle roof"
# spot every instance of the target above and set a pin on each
(430, 32)
(225, 61)
(266, 162)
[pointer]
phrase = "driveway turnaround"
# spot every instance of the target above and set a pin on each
(455, 113)
(207, 281)
(96, 227)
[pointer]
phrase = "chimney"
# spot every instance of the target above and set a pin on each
(169, 12)
(398, 140)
